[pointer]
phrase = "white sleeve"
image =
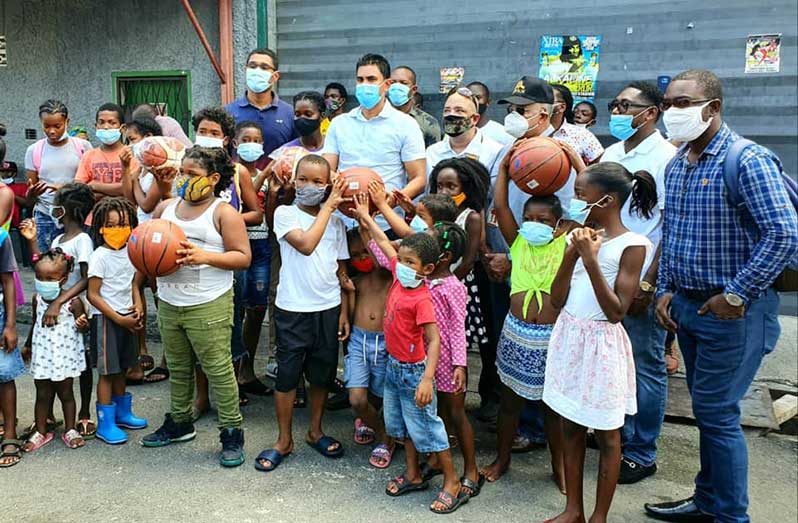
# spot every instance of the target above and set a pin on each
(85, 247)
(343, 248)
(412, 143)
(29, 158)
(331, 138)
(285, 220)
(97, 262)
(277, 152)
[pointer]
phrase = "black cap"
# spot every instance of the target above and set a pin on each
(530, 90)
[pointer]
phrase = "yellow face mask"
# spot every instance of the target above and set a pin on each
(116, 237)
(459, 199)
(193, 189)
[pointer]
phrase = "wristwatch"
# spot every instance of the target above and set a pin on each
(647, 287)
(733, 300)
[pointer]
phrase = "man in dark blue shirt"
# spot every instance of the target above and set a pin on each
(262, 105)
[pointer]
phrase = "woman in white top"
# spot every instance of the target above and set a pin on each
(195, 312)
(590, 375)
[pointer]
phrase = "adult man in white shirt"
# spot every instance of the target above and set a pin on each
(377, 136)
(633, 120)
(491, 129)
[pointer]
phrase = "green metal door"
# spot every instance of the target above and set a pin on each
(168, 91)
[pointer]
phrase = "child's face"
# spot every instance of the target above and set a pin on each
(407, 256)
(311, 174)
(591, 193)
(249, 135)
(51, 270)
(54, 126)
(108, 120)
(423, 213)
(192, 168)
(115, 219)
(306, 109)
(541, 213)
(449, 182)
(213, 130)
(357, 251)
(133, 135)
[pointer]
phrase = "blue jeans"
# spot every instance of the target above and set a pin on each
(403, 418)
(256, 277)
(11, 364)
(721, 358)
(46, 230)
(236, 340)
(640, 432)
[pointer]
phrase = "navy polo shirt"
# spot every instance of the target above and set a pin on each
(276, 121)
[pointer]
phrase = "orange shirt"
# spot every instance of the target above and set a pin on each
(100, 166)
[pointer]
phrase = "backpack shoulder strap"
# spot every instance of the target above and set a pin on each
(731, 170)
(38, 149)
(79, 147)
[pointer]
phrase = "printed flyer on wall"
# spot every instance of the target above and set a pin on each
(763, 53)
(571, 60)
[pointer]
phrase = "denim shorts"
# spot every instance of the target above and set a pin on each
(364, 364)
(11, 364)
(403, 418)
(46, 230)
(256, 281)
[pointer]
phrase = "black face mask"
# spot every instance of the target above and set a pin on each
(306, 126)
(481, 109)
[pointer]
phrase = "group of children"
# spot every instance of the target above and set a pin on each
(406, 309)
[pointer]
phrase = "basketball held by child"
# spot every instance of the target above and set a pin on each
(357, 182)
(285, 165)
(153, 246)
(540, 166)
(158, 152)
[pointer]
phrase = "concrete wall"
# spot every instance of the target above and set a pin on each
(68, 50)
(497, 42)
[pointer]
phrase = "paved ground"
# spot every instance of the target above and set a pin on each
(184, 482)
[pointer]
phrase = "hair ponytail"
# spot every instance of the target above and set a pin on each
(644, 194)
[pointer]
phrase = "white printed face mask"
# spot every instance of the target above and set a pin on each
(208, 141)
(685, 125)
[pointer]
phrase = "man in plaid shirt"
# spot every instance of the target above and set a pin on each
(717, 267)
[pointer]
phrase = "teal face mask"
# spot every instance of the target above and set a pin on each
(407, 276)
(418, 225)
(48, 290)
(250, 151)
(108, 136)
(536, 233)
(368, 95)
(398, 94)
(579, 210)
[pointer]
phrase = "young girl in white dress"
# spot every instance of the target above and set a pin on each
(590, 373)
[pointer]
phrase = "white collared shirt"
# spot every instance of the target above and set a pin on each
(495, 131)
(481, 148)
(651, 155)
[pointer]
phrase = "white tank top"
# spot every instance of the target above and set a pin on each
(196, 284)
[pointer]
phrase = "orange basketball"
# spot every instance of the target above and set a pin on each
(539, 166)
(357, 182)
(285, 164)
(153, 246)
(159, 151)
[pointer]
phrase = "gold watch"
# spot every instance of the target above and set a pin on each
(647, 287)
(733, 300)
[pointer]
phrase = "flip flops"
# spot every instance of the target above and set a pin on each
(451, 503)
(384, 453)
(256, 388)
(475, 488)
(146, 362)
(273, 456)
(427, 472)
(405, 486)
(72, 439)
(37, 440)
(323, 444)
(86, 428)
(16, 454)
(364, 435)
(156, 375)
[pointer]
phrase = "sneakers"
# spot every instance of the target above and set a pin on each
(632, 472)
(170, 432)
(232, 447)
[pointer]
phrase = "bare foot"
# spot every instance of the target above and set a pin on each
(495, 470)
(567, 517)
(597, 519)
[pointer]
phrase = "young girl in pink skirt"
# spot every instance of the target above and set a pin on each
(590, 374)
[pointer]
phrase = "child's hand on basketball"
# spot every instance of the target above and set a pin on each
(336, 197)
(504, 167)
(165, 175)
(378, 194)
(361, 209)
(459, 379)
(190, 254)
(587, 242)
(82, 323)
(424, 393)
(576, 161)
(27, 228)
(405, 202)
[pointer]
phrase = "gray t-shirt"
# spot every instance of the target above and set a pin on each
(58, 166)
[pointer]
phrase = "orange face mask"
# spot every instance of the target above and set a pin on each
(459, 199)
(116, 237)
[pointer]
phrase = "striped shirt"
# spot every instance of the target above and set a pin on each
(707, 244)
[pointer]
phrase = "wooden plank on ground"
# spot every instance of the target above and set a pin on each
(785, 408)
(757, 407)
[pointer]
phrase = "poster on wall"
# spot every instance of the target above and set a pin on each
(571, 60)
(451, 77)
(763, 53)
(3, 56)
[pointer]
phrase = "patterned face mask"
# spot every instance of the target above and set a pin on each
(193, 189)
(456, 125)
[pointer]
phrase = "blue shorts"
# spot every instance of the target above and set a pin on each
(11, 364)
(403, 418)
(46, 230)
(364, 364)
(256, 280)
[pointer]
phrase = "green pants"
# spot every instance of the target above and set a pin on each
(200, 333)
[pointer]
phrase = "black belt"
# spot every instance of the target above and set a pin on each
(696, 295)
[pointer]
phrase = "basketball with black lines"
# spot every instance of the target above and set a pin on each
(153, 246)
(539, 166)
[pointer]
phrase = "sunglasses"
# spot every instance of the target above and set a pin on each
(465, 91)
(623, 105)
(683, 103)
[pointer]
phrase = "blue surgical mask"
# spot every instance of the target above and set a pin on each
(48, 290)
(418, 225)
(536, 233)
(108, 136)
(208, 141)
(368, 95)
(398, 94)
(258, 80)
(250, 151)
(580, 209)
(310, 195)
(407, 276)
(621, 126)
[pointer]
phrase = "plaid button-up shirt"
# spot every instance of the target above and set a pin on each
(707, 244)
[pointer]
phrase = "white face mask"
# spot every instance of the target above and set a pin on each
(685, 125)
(208, 141)
(517, 125)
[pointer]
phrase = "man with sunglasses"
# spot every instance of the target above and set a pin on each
(633, 120)
(714, 287)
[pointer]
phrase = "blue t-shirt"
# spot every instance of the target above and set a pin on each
(276, 121)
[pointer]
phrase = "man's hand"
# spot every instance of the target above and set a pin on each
(664, 313)
(424, 393)
(718, 306)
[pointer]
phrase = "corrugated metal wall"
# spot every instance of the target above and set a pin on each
(497, 42)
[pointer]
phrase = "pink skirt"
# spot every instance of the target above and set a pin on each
(590, 373)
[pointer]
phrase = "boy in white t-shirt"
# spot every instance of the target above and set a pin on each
(310, 310)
